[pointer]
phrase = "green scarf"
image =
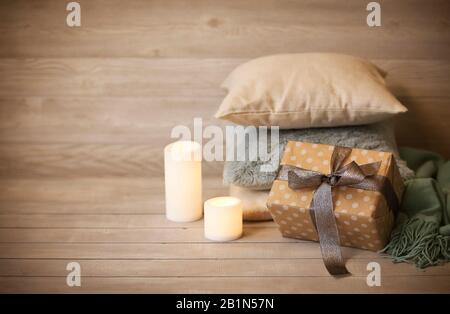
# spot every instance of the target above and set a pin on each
(422, 234)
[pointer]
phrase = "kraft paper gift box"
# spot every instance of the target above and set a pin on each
(363, 217)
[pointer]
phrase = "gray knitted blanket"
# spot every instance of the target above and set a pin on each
(378, 136)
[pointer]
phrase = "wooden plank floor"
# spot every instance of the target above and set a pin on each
(86, 111)
(116, 230)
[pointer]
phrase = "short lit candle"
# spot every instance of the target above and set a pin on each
(223, 218)
(183, 181)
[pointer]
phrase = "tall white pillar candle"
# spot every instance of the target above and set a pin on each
(223, 218)
(183, 181)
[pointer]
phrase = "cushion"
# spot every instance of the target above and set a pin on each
(378, 136)
(307, 90)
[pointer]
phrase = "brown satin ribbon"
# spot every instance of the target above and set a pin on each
(351, 175)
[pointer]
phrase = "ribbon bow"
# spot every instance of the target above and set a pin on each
(352, 175)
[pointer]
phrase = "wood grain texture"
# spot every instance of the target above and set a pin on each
(208, 28)
(25, 154)
(101, 120)
(425, 125)
(88, 160)
(170, 250)
(139, 101)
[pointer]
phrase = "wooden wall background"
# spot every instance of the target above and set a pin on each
(100, 100)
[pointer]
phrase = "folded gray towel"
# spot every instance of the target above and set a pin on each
(379, 136)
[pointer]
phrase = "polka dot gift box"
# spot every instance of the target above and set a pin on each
(358, 188)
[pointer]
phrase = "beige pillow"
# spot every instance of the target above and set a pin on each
(307, 90)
